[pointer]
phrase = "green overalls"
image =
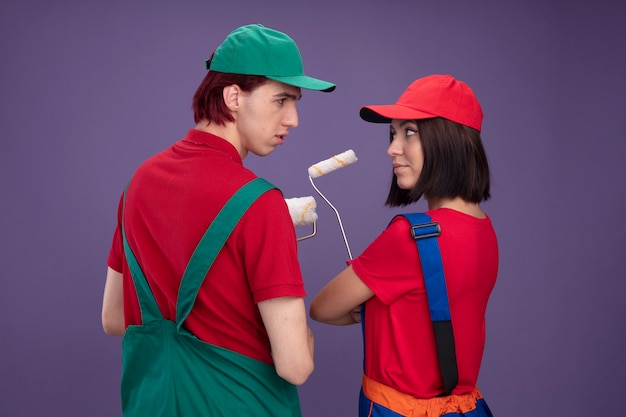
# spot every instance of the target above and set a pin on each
(168, 372)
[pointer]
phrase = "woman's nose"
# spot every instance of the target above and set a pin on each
(394, 149)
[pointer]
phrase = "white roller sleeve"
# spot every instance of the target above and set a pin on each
(302, 210)
(329, 165)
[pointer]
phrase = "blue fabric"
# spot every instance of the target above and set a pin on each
(432, 267)
(377, 409)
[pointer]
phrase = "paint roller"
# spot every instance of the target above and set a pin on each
(327, 166)
(302, 212)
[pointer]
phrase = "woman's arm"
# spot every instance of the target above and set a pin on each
(339, 301)
(113, 305)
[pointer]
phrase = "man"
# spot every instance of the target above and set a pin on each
(247, 314)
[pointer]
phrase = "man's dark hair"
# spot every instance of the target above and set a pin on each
(208, 102)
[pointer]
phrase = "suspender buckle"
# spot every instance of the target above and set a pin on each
(425, 230)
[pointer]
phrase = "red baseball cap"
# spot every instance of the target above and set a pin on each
(432, 96)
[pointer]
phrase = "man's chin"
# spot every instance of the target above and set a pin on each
(263, 152)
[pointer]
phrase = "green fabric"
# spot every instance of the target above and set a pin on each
(149, 309)
(169, 372)
(212, 242)
(258, 50)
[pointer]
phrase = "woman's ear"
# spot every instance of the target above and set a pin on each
(231, 96)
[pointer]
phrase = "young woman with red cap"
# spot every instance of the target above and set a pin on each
(421, 288)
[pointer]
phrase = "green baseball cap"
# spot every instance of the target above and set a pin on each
(258, 50)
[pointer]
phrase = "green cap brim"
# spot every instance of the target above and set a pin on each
(304, 81)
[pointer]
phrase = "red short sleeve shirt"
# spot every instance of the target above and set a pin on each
(400, 348)
(171, 200)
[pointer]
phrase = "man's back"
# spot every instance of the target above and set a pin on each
(172, 199)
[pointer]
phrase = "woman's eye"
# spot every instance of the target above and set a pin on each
(410, 132)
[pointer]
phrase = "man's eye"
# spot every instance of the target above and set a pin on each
(281, 101)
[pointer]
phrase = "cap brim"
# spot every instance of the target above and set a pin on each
(385, 113)
(303, 81)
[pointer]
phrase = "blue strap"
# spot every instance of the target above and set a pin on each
(425, 232)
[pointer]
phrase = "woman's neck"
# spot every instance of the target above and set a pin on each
(458, 204)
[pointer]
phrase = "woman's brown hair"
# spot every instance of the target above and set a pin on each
(455, 165)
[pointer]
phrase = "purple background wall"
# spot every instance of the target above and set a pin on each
(90, 89)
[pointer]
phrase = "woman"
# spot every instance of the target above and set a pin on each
(418, 363)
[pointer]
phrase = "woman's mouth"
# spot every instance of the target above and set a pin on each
(397, 168)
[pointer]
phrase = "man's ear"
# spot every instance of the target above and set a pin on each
(231, 95)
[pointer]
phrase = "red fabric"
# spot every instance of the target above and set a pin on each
(172, 199)
(400, 348)
(436, 95)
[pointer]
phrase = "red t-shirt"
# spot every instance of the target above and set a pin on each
(171, 200)
(400, 349)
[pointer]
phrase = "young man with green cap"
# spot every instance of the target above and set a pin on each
(203, 279)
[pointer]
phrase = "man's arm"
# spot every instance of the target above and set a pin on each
(113, 304)
(290, 337)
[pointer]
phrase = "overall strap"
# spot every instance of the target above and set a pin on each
(147, 304)
(212, 242)
(425, 232)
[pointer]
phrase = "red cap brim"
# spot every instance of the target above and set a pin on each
(385, 113)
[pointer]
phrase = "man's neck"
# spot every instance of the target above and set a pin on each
(226, 132)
